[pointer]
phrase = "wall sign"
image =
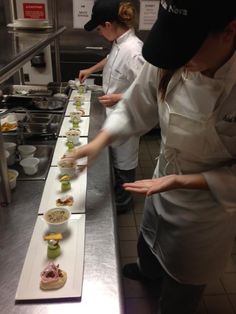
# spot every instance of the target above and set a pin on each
(148, 14)
(34, 11)
(82, 10)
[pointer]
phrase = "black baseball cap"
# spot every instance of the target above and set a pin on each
(181, 28)
(103, 11)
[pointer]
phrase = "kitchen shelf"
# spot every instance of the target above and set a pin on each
(21, 46)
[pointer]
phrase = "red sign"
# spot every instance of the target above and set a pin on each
(34, 10)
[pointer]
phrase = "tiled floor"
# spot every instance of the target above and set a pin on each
(220, 296)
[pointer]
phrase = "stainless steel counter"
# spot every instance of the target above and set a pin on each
(101, 291)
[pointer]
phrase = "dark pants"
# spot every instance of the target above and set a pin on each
(124, 199)
(175, 298)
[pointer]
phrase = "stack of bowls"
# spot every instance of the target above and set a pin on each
(28, 161)
(10, 147)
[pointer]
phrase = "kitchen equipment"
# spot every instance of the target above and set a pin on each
(50, 103)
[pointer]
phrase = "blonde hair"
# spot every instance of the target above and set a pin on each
(126, 14)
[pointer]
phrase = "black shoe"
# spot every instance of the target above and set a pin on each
(153, 286)
(133, 272)
(122, 209)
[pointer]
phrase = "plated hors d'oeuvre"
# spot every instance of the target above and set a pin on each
(65, 183)
(57, 219)
(54, 249)
(52, 277)
(53, 236)
(73, 135)
(66, 200)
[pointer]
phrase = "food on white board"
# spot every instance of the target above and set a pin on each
(52, 277)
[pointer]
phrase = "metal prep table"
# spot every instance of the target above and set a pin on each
(101, 291)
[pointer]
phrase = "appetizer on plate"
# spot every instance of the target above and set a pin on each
(66, 200)
(73, 135)
(53, 236)
(67, 168)
(54, 249)
(52, 277)
(65, 183)
(57, 219)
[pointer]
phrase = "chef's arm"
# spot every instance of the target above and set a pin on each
(92, 149)
(83, 74)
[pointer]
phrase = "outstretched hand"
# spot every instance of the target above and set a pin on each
(167, 183)
(151, 186)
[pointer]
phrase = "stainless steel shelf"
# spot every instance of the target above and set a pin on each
(20, 46)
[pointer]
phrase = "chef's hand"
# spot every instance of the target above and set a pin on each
(83, 151)
(83, 74)
(109, 100)
(167, 183)
(91, 150)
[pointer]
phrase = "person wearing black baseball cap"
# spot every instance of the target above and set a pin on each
(188, 85)
(114, 20)
(182, 27)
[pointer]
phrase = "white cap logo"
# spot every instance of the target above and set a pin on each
(173, 9)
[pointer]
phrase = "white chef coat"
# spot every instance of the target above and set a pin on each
(191, 232)
(123, 65)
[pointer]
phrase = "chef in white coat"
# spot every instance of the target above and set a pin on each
(114, 20)
(189, 86)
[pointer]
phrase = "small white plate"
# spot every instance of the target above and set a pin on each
(71, 261)
(61, 148)
(71, 108)
(67, 125)
(52, 191)
(75, 93)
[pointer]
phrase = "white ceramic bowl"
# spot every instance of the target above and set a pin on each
(69, 169)
(12, 175)
(30, 165)
(73, 136)
(26, 151)
(57, 219)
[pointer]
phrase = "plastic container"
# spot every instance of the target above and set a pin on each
(73, 136)
(30, 165)
(11, 148)
(12, 175)
(57, 219)
(26, 151)
(66, 168)
(75, 114)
